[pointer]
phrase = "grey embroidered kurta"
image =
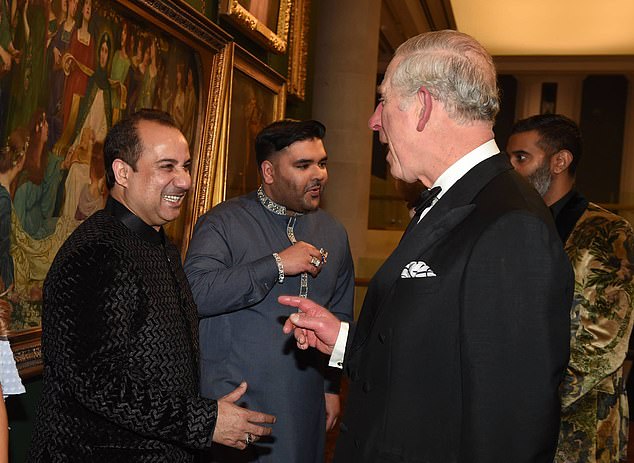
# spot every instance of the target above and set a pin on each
(234, 281)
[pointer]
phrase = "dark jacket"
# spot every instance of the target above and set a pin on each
(463, 364)
(119, 340)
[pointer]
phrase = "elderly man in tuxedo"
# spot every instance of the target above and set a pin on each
(464, 333)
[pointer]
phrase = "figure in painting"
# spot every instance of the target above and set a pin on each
(37, 185)
(149, 70)
(58, 47)
(178, 107)
(28, 83)
(80, 61)
(119, 75)
(95, 110)
(190, 107)
(12, 157)
(8, 56)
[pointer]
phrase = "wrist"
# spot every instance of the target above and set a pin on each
(280, 268)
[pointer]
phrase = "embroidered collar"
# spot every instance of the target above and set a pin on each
(273, 206)
(134, 223)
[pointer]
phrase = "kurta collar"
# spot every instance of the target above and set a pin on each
(134, 223)
(272, 206)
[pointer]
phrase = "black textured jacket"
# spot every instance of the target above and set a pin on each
(119, 340)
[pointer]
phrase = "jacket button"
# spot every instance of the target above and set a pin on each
(366, 387)
(354, 375)
(382, 338)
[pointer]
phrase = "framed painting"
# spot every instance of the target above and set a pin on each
(265, 21)
(258, 97)
(74, 68)
(298, 49)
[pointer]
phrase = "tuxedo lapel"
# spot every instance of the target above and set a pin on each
(448, 212)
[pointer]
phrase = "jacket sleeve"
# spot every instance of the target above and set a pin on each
(602, 252)
(89, 315)
(342, 305)
(517, 291)
(214, 277)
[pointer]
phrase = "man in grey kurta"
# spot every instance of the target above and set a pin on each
(246, 252)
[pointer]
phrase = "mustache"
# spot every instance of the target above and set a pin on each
(313, 185)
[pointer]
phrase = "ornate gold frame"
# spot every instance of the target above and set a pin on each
(298, 49)
(276, 41)
(182, 22)
(254, 69)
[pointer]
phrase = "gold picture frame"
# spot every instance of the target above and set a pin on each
(182, 41)
(298, 49)
(265, 21)
(258, 97)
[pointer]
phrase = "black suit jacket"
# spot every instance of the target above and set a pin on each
(463, 365)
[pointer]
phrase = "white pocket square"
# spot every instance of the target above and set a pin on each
(417, 269)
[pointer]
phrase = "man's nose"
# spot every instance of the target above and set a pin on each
(183, 180)
(374, 123)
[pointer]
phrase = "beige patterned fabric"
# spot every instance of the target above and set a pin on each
(594, 424)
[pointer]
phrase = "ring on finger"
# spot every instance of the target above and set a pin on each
(249, 439)
(324, 255)
(314, 261)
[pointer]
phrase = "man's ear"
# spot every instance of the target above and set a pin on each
(560, 161)
(121, 169)
(268, 172)
(425, 100)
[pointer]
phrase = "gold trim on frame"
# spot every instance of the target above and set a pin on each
(298, 49)
(276, 41)
(255, 69)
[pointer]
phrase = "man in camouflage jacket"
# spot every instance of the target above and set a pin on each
(594, 420)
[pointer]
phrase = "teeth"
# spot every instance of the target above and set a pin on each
(172, 198)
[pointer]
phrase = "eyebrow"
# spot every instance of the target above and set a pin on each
(305, 160)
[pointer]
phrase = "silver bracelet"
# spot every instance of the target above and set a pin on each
(280, 268)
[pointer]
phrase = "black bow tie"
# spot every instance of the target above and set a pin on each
(426, 198)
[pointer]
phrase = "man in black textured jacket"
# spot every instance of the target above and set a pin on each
(119, 325)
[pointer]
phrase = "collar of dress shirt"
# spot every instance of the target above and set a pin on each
(459, 168)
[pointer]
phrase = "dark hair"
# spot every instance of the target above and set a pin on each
(280, 134)
(556, 133)
(123, 141)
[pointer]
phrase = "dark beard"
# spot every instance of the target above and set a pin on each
(541, 178)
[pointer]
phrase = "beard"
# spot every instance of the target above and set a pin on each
(541, 178)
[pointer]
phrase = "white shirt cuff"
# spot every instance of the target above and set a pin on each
(339, 351)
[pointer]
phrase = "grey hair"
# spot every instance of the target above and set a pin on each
(454, 68)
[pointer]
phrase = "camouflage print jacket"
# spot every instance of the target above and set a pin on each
(594, 425)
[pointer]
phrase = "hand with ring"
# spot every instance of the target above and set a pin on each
(249, 439)
(301, 257)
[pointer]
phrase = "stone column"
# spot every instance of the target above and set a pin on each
(346, 53)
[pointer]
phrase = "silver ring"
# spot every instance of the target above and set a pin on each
(314, 261)
(324, 255)
(249, 438)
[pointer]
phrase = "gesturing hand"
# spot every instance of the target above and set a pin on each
(235, 423)
(315, 326)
